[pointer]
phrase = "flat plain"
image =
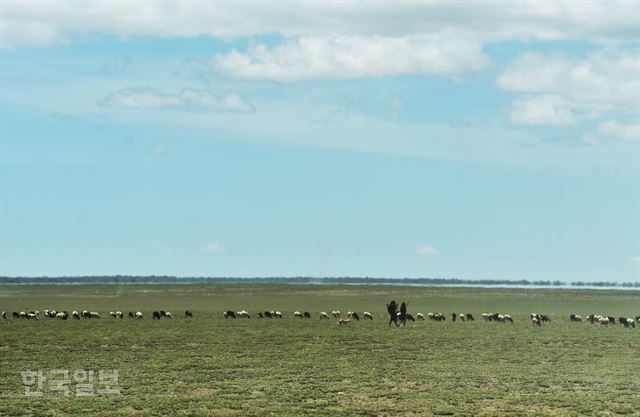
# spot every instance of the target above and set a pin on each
(212, 366)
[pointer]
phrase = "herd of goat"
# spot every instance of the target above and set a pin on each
(75, 315)
(397, 317)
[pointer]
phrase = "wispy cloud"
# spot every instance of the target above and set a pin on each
(161, 147)
(212, 247)
(551, 110)
(428, 251)
(188, 99)
(635, 260)
(116, 64)
(613, 128)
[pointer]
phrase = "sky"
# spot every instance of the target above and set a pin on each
(475, 140)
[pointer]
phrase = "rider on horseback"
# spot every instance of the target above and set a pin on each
(392, 308)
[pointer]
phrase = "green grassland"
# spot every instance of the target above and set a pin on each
(209, 366)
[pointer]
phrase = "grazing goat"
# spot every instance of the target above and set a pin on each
(157, 316)
(131, 314)
(188, 313)
(436, 316)
(139, 315)
(307, 315)
(541, 318)
(94, 314)
(502, 318)
(90, 314)
(367, 315)
(420, 316)
(575, 317)
(75, 315)
(4, 315)
(469, 317)
(335, 314)
(462, 317)
(277, 314)
(344, 321)
(627, 322)
(353, 315)
(324, 315)
(228, 314)
(297, 314)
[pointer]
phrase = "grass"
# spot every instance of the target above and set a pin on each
(209, 366)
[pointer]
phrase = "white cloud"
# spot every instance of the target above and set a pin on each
(549, 110)
(615, 129)
(635, 260)
(428, 251)
(341, 57)
(562, 90)
(40, 23)
(607, 80)
(188, 99)
(212, 247)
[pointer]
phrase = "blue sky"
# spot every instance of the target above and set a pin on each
(448, 139)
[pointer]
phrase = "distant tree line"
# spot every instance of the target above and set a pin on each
(165, 279)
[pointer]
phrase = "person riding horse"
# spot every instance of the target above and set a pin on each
(392, 308)
(403, 314)
(397, 318)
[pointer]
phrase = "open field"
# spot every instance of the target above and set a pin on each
(210, 366)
